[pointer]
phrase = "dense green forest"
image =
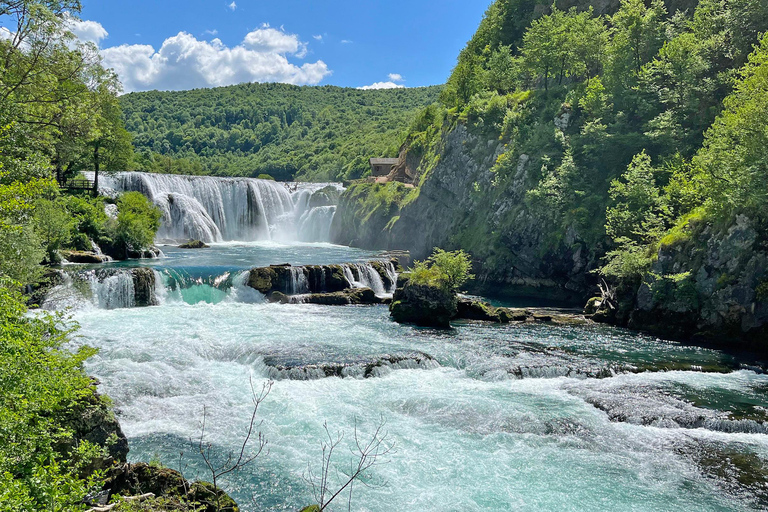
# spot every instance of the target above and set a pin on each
(284, 131)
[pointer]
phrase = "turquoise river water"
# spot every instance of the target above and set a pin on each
(503, 417)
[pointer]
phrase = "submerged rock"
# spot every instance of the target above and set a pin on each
(376, 366)
(194, 244)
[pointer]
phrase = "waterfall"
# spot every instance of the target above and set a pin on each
(215, 209)
(299, 283)
(363, 275)
(315, 224)
(115, 291)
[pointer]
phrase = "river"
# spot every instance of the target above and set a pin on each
(482, 417)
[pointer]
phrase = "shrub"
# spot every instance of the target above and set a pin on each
(448, 270)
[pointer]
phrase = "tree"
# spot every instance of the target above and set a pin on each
(365, 455)
(733, 157)
(449, 270)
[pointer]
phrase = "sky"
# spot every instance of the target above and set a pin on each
(186, 44)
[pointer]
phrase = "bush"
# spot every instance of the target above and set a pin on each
(449, 270)
(137, 222)
(40, 385)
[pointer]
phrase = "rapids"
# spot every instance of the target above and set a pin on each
(528, 417)
(523, 417)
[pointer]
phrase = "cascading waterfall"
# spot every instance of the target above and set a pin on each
(215, 209)
(299, 284)
(363, 275)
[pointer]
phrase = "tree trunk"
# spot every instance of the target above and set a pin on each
(96, 170)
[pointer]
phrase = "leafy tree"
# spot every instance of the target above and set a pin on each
(448, 270)
(137, 222)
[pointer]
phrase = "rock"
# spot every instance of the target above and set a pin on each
(278, 297)
(194, 244)
(144, 287)
(141, 478)
(84, 257)
(477, 310)
(262, 279)
(314, 279)
(342, 298)
(593, 305)
(93, 420)
(424, 305)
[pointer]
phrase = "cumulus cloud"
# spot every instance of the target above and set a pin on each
(232, 6)
(266, 39)
(382, 85)
(396, 77)
(184, 62)
(87, 31)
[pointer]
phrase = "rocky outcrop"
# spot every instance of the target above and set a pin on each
(84, 257)
(92, 419)
(292, 280)
(708, 284)
(194, 244)
(144, 287)
(141, 478)
(323, 279)
(422, 304)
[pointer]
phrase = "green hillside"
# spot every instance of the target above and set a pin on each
(288, 132)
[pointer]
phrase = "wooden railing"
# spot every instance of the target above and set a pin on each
(75, 184)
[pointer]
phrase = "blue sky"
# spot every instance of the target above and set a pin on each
(182, 44)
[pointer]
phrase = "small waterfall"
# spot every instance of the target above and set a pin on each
(299, 283)
(115, 291)
(363, 275)
(215, 209)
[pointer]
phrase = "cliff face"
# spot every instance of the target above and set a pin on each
(458, 206)
(712, 284)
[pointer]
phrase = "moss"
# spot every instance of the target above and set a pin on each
(685, 229)
(761, 291)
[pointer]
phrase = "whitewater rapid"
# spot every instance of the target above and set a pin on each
(483, 417)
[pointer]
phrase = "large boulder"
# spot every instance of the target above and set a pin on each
(421, 304)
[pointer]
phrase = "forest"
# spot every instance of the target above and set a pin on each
(280, 131)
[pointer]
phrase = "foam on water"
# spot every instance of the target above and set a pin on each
(463, 442)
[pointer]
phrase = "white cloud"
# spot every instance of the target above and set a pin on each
(396, 77)
(211, 32)
(232, 6)
(346, 41)
(318, 37)
(184, 62)
(85, 30)
(266, 39)
(382, 85)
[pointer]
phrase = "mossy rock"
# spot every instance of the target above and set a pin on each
(262, 279)
(593, 305)
(194, 244)
(311, 508)
(424, 305)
